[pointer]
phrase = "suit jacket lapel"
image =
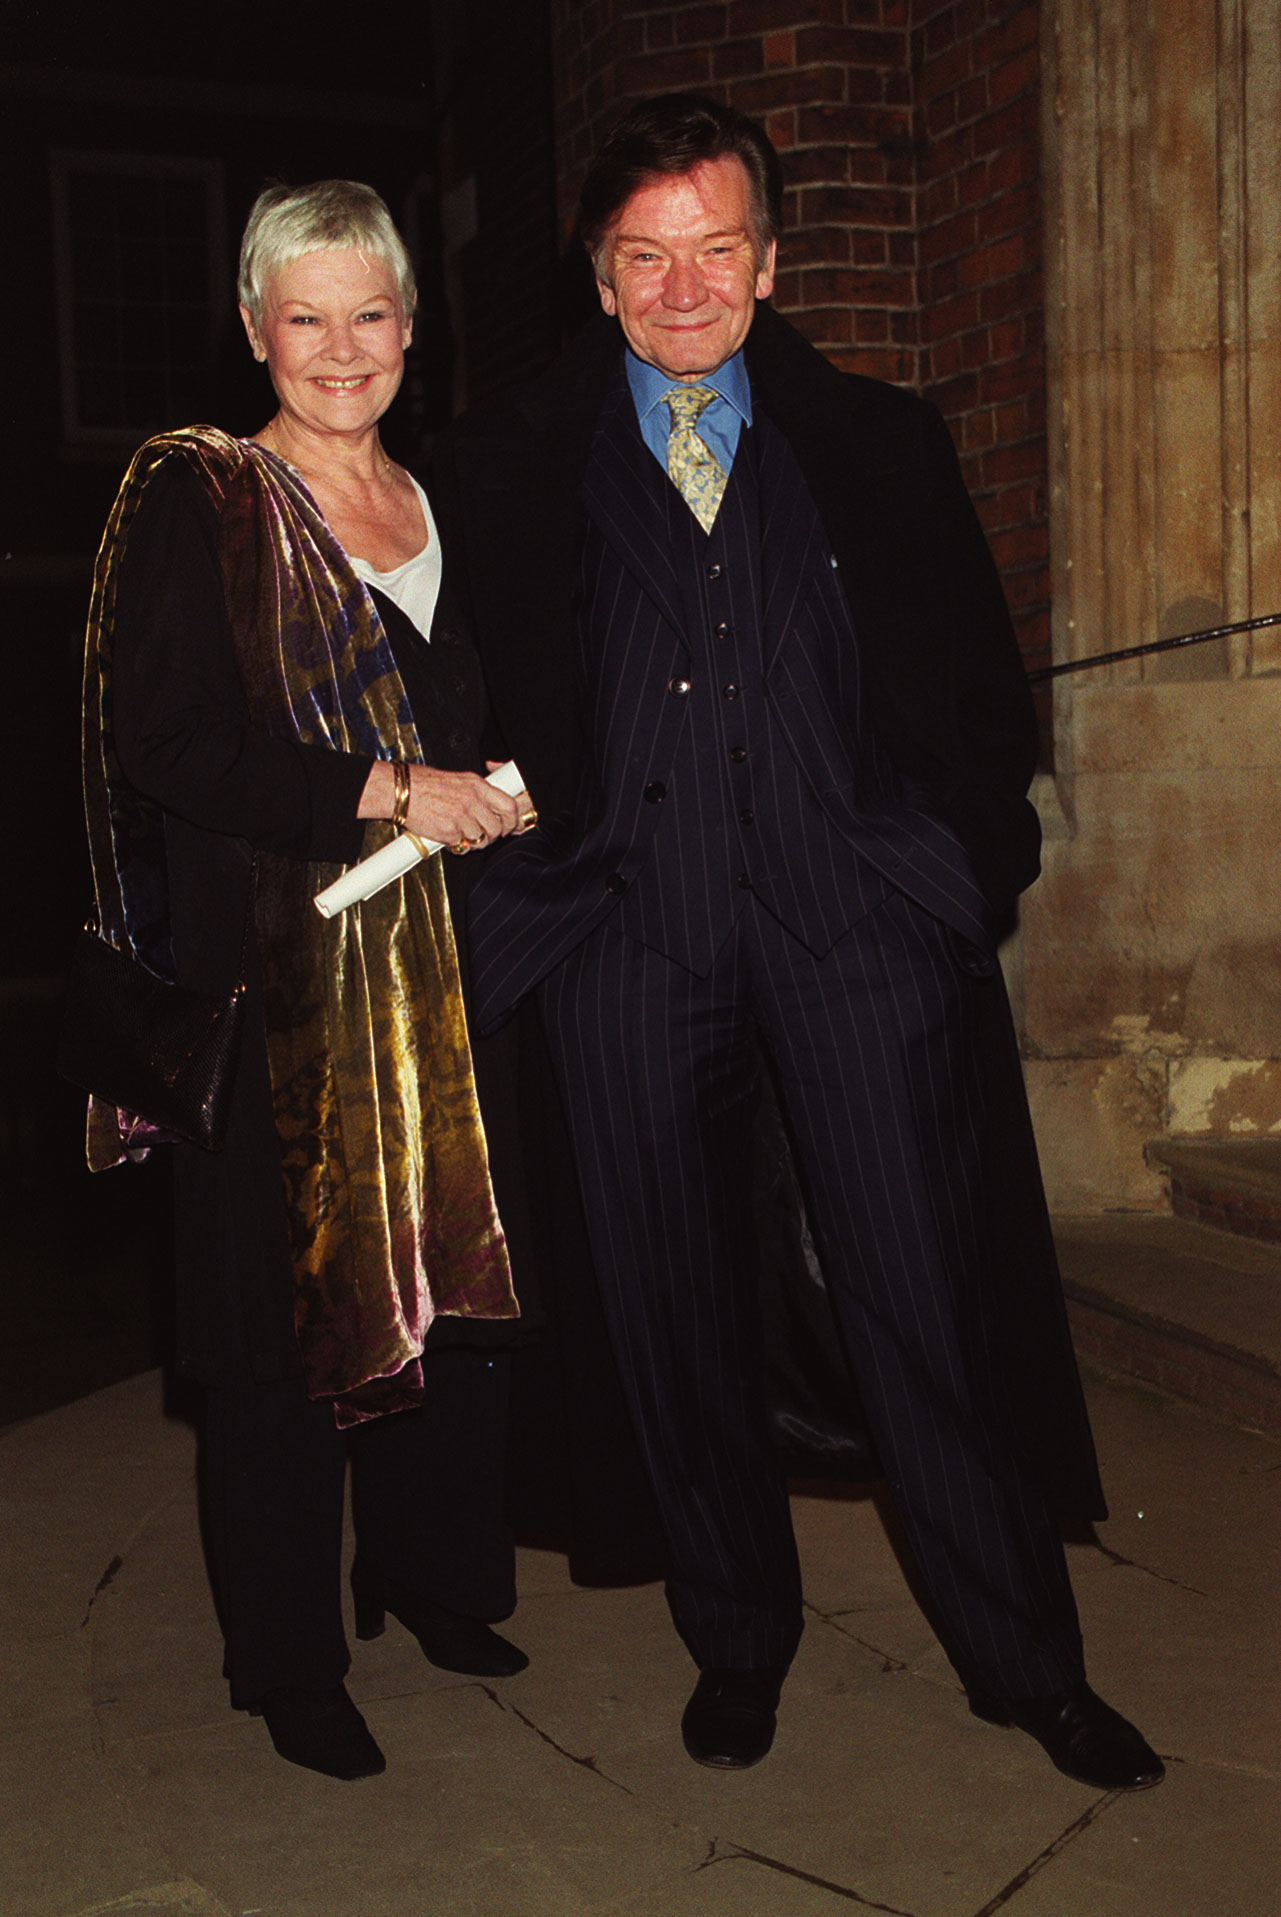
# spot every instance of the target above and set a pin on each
(620, 496)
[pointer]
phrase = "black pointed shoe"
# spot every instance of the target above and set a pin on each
(321, 1730)
(1084, 1737)
(447, 1639)
(729, 1720)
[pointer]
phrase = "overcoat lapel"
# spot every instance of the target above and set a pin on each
(825, 435)
(520, 469)
(792, 539)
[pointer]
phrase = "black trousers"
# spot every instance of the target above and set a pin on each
(869, 1049)
(427, 1502)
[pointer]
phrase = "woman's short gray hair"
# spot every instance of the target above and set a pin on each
(331, 215)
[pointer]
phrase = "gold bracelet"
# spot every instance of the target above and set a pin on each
(400, 810)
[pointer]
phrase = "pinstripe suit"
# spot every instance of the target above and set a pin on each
(833, 907)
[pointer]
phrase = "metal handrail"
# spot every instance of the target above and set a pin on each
(1155, 645)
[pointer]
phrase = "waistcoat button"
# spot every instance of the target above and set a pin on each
(731, 691)
(721, 629)
(616, 883)
(738, 754)
(655, 793)
(714, 572)
(679, 688)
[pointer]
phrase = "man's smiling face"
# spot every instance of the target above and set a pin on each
(683, 270)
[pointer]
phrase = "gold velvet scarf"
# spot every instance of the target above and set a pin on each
(387, 1187)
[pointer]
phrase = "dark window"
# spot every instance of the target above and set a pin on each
(141, 268)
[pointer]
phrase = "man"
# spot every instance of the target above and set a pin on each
(745, 640)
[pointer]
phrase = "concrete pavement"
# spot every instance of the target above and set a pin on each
(128, 1785)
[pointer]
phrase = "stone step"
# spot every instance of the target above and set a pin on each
(1178, 1304)
(1233, 1184)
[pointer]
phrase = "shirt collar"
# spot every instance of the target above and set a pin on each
(730, 381)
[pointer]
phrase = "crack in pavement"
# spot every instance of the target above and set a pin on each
(1048, 1855)
(888, 1661)
(116, 1565)
(183, 1896)
(1162, 1577)
(736, 1851)
(585, 1763)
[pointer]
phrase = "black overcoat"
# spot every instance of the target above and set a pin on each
(184, 736)
(944, 686)
(183, 733)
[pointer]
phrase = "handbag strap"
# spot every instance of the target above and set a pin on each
(249, 913)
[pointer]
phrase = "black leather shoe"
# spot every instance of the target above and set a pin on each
(1082, 1735)
(321, 1730)
(729, 1721)
(448, 1640)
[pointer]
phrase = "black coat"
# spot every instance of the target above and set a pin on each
(943, 678)
(184, 738)
(943, 682)
(183, 733)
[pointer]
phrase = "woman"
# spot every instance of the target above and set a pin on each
(274, 674)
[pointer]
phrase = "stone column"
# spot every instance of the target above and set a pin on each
(1152, 947)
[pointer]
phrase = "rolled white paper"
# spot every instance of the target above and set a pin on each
(400, 856)
(361, 881)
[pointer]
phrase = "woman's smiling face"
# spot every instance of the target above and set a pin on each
(333, 334)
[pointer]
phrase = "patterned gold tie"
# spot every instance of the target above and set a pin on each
(696, 473)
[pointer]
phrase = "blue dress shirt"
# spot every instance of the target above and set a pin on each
(719, 425)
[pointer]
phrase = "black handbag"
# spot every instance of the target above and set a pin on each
(164, 1052)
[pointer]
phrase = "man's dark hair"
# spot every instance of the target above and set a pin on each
(674, 134)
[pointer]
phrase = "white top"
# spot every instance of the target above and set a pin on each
(415, 586)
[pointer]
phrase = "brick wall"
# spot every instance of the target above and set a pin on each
(835, 96)
(979, 283)
(908, 135)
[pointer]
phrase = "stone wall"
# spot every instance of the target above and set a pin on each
(1152, 968)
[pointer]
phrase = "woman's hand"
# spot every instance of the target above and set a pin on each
(457, 809)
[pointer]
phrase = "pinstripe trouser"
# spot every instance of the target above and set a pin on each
(869, 1047)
